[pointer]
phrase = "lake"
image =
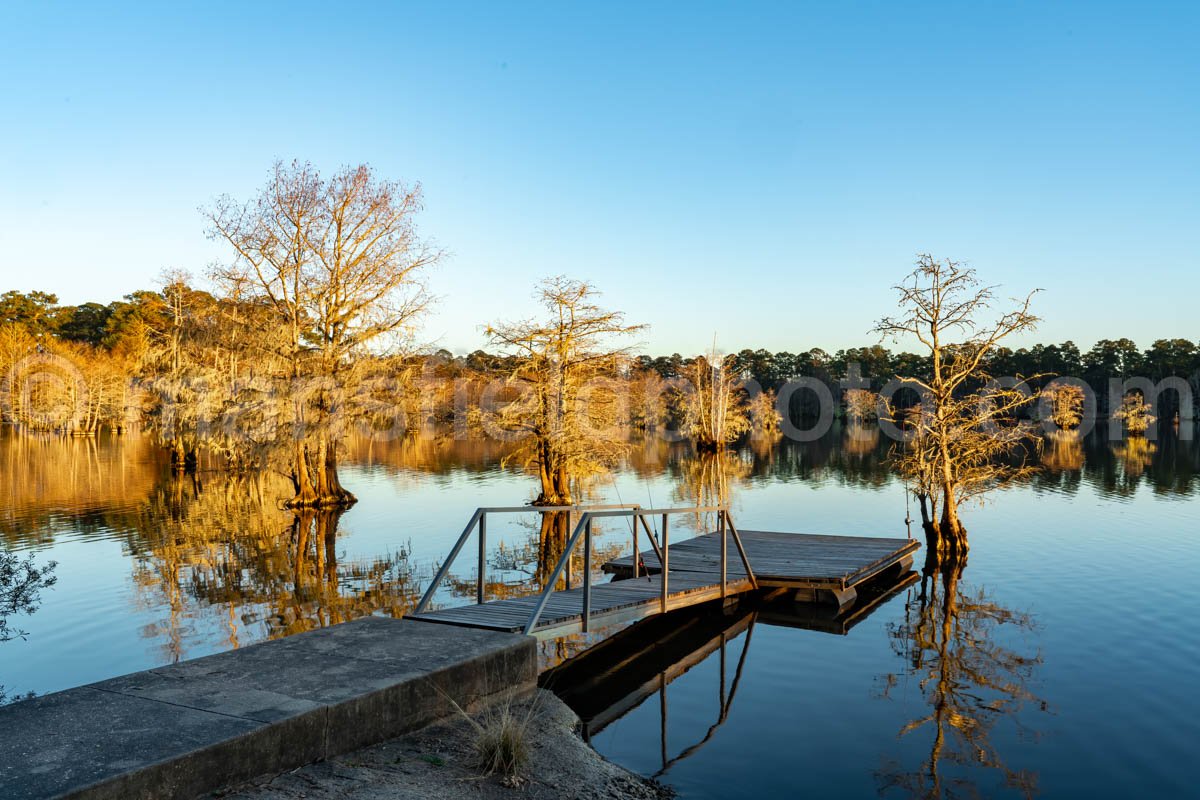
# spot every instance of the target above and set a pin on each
(1059, 663)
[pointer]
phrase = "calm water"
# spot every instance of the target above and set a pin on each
(1065, 669)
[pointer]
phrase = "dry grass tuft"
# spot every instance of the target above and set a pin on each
(501, 743)
(500, 736)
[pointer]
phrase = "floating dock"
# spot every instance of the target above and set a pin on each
(697, 570)
(805, 561)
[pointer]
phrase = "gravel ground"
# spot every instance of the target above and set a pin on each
(435, 763)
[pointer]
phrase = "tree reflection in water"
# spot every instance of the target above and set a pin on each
(953, 641)
(222, 542)
(1063, 452)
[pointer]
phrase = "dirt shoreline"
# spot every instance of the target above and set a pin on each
(434, 763)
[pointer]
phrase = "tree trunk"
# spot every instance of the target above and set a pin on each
(556, 483)
(317, 485)
(177, 455)
(305, 494)
(336, 494)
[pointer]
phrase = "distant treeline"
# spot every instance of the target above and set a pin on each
(150, 333)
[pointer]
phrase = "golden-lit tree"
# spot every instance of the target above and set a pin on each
(340, 264)
(715, 410)
(1135, 413)
(861, 405)
(566, 412)
(648, 395)
(1066, 406)
(966, 438)
(765, 419)
(64, 387)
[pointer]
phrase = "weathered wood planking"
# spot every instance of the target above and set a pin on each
(779, 560)
(789, 560)
(634, 598)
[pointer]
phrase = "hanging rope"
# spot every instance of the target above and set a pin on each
(633, 521)
(907, 495)
(630, 520)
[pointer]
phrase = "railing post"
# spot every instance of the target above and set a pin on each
(587, 574)
(666, 554)
(637, 556)
(479, 592)
(724, 551)
(567, 569)
(737, 540)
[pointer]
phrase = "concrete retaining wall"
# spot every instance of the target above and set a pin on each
(190, 728)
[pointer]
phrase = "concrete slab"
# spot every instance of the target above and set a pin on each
(181, 730)
(63, 744)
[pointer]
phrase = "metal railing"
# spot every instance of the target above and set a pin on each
(479, 518)
(583, 529)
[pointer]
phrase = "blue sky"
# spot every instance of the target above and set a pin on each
(763, 172)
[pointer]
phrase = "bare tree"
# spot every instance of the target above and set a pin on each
(1135, 413)
(861, 405)
(1066, 406)
(715, 407)
(564, 414)
(340, 264)
(966, 437)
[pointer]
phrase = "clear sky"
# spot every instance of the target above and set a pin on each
(760, 171)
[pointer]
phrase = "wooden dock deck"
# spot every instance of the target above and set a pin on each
(612, 603)
(699, 570)
(805, 561)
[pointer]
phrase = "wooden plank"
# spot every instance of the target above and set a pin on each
(565, 608)
(785, 559)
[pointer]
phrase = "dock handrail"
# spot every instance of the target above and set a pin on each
(480, 518)
(583, 529)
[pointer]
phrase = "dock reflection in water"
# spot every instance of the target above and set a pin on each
(630, 668)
